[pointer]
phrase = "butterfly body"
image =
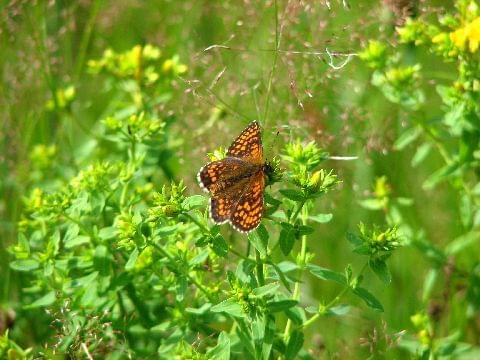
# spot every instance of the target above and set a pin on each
(237, 182)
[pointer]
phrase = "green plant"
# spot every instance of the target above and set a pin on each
(120, 266)
(453, 134)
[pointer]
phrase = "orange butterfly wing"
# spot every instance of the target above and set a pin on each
(236, 183)
(248, 145)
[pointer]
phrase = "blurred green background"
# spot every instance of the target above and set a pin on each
(45, 46)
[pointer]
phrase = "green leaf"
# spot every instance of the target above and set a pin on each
(429, 284)
(462, 242)
(244, 270)
(281, 305)
(101, 260)
(421, 153)
(430, 251)
(222, 350)
(268, 289)
(220, 246)
(339, 310)
(294, 345)
(245, 337)
(258, 330)
(166, 230)
(296, 314)
(407, 137)
(161, 328)
(321, 218)
(199, 258)
(294, 195)
(193, 202)
(181, 287)
(363, 249)
(107, 233)
(84, 280)
(441, 175)
(404, 201)
(24, 265)
(287, 238)
(466, 211)
(287, 266)
(200, 311)
(259, 239)
(229, 306)
(372, 204)
(46, 300)
(354, 239)
(132, 259)
(76, 241)
(269, 338)
(368, 298)
(379, 267)
(304, 230)
(281, 275)
(327, 274)
(71, 233)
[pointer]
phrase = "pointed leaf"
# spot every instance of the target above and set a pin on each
(294, 345)
(321, 218)
(327, 274)
(222, 350)
(281, 305)
(379, 267)
(294, 195)
(268, 289)
(229, 306)
(24, 265)
(46, 300)
(368, 298)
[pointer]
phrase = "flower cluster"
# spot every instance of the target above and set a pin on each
(167, 203)
(127, 229)
(137, 127)
(42, 155)
(141, 63)
(95, 176)
(303, 159)
(63, 98)
(374, 241)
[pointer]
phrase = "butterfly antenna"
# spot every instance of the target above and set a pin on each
(274, 141)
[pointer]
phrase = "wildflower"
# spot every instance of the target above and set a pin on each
(127, 229)
(467, 36)
(375, 241)
(306, 156)
(42, 155)
(375, 54)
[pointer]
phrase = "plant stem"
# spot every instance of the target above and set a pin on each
(144, 315)
(85, 40)
(303, 257)
(334, 301)
(189, 277)
(260, 275)
(278, 35)
(297, 212)
(81, 226)
(123, 196)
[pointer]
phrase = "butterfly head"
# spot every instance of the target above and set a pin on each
(272, 171)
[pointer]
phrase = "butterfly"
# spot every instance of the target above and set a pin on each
(236, 183)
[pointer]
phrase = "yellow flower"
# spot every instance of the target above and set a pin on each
(467, 35)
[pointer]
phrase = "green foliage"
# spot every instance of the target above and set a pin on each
(454, 135)
(112, 250)
(108, 246)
